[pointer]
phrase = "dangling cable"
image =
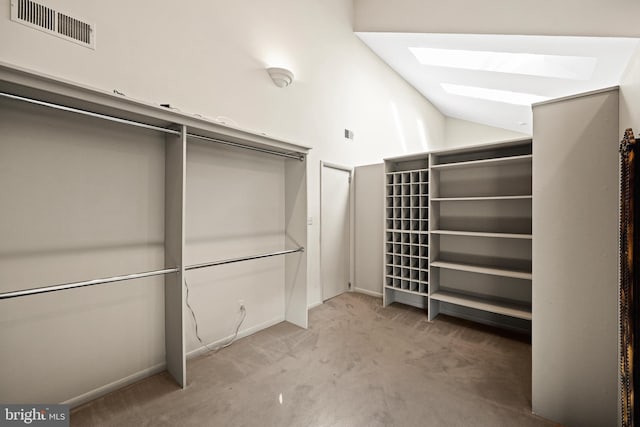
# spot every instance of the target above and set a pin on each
(243, 310)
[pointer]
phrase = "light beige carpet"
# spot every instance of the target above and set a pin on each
(358, 364)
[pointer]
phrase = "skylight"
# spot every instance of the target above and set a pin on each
(531, 64)
(505, 96)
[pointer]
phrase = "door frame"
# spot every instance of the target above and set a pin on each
(349, 170)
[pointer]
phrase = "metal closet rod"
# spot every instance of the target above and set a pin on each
(246, 258)
(90, 114)
(297, 156)
(61, 287)
(72, 285)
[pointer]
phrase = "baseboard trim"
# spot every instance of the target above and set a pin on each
(118, 384)
(314, 305)
(160, 367)
(368, 292)
(198, 351)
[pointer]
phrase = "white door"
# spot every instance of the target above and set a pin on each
(334, 230)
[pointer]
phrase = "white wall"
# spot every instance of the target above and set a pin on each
(210, 58)
(461, 132)
(369, 228)
(630, 96)
(575, 260)
(543, 17)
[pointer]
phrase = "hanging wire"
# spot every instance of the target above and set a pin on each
(243, 310)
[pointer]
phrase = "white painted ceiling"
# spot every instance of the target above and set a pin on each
(596, 63)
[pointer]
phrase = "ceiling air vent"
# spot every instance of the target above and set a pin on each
(53, 22)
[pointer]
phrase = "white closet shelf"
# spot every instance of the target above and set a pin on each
(512, 160)
(422, 294)
(484, 234)
(473, 268)
(492, 306)
(398, 230)
(407, 171)
(447, 199)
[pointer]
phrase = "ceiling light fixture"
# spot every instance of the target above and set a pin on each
(531, 64)
(505, 96)
(280, 76)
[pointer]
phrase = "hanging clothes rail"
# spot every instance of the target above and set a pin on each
(296, 156)
(247, 258)
(89, 113)
(72, 285)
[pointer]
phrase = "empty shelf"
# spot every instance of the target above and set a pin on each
(518, 274)
(453, 199)
(507, 309)
(422, 294)
(486, 162)
(483, 234)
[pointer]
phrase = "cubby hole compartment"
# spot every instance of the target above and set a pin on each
(389, 270)
(423, 251)
(389, 190)
(424, 201)
(389, 179)
(415, 213)
(424, 176)
(415, 176)
(396, 282)
(423, 263)
(415, 201)
(413, 238)
(423, 288)
(406, 250)
(397, 237)
(406, 212)
(423, 239)
(406, 178)
(389, 260)
(424, 189)
(389, 210)
(405, 284)
(389, 247)
(415, 250)
(397, 271)
(423, 276)
(406, 189)
(415, 188)
(388, 281)
(397, 179)
(413, 286)
(424, 226)
(397, 248)
(424, 212)
(406, 261)
(415, 262)
(397, 260)
(389, 226)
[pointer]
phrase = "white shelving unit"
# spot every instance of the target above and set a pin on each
(480, 234)
(406, 253)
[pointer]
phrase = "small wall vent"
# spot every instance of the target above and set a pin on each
(53, 22)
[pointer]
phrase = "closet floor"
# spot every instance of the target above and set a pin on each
(358, 364)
